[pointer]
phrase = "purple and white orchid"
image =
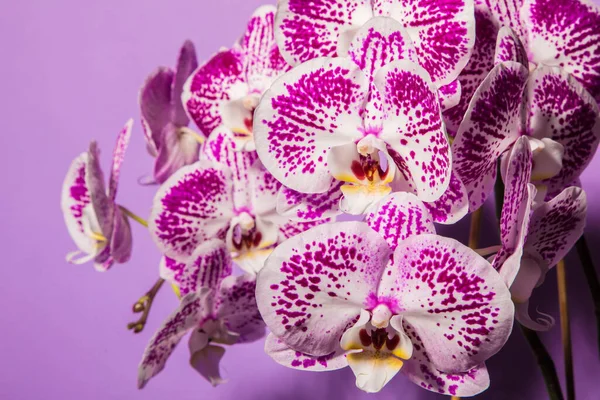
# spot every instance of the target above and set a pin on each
(371, 120)
(385, 296)
(226, 89)
(443, 40)
(535, 236)
(401, 111)
(556, 33)
(224, 313)
(164, 120)
(547, 106)
(228, 196)
(95, 222)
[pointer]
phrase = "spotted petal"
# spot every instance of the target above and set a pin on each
(566, 33)
(507, 13)
(309, 207)
(284, 355)
(192, 310)
(480, 63)
(378, 42)
(307, 111)
(509, 48)
(207, 267)
(490, 126)
(75, 199)
(556, 226)
(213, 84)
(263, 189)
(452, 298)
(169, 269)
(562, 110)
(118, 157)
(420, 370)
(314, 285)
(307, 30)
(414, 127)
(450, 95)
(222, 149)
(453, 205)
(518, 201)
(443, 39)
(399, 216)
(236, 307)
(262, 60)
(193, 205)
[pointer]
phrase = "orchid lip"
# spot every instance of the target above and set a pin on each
(244, 234)
(377, 336)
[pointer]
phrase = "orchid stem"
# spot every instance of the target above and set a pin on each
(134, 217)
(565, 328)
(545, 363)
(487, 251)
(475, 228)
(499, 193)
(591, 277)
(143, 306)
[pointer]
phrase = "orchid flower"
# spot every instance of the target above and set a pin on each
(223, 314)
(226, 89)
(228, 196)
(443, 41)
(479, 65)
(535, 237)
(164, 120)
(556, 33)
(547, 106)
(96, 224)
(385, 296)
(365, 120)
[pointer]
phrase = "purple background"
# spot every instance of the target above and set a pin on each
(70, 73)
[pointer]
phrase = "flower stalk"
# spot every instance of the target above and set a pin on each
(545, 363)
(475, 228)
(565, 328)
(591, 278)
(134, 217)
(143, 306)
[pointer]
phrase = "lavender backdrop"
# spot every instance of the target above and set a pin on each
(70, 73)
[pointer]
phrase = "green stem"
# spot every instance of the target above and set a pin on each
(591, 277)
(545, 363)
(134, 217)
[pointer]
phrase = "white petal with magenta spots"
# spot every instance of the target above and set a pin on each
(310, 109)
(314, 285)
(192, 206)
(455, 302)
(414, 127)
